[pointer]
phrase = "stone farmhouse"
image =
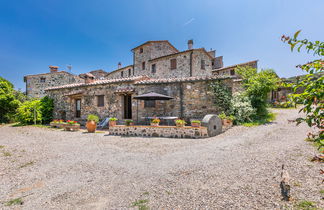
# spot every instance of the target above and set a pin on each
(157, 67)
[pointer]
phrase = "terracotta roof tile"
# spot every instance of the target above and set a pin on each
(184, 79)
(99, 82)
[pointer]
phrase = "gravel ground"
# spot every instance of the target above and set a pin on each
(239, 169)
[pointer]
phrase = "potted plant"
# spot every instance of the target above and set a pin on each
(180, 123)
(155, 122)
(129, 122)
(92, 121)
(71, 125)
(195, 123)
(112, 121)
(226, 120)
(57, 123)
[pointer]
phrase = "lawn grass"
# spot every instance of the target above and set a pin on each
(261, 120)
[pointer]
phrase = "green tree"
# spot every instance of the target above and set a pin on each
(257, 86)
(312, 84)
(223, 96)
(8, 102)
(30, 112)
(47, 106)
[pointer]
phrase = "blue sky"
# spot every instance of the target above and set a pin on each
(97, 34)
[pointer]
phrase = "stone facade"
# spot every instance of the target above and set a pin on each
(160, 131)
(36, 84)
(192, 98)
(123, 72)
(230, 70)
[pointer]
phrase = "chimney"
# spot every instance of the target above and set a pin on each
(119, 65)
(190, 44)
(88, 78)
(53, 68)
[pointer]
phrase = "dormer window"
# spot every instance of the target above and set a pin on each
(42, 79)
(141, 50)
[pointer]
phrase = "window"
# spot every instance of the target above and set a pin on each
(78, 108)
(173, 63)
(232, 72)
(122, 74)
(153, 68)
(101, 100)
(143, 66)
(202, 64)
(141, 50)
(149, 103)
(42, 79)
(129, 72)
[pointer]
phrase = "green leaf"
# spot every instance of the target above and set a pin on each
(296, 34)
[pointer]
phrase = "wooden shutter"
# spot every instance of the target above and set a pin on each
(173, 63)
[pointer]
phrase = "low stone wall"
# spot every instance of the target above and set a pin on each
(160, 131)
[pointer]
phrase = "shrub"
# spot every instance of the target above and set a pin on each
(8, 101)
(257, 86)
(113, 119)
(195, 121)
(92, 117)
(242, 108)
(47, 107)
(30, 112)
(223, 96)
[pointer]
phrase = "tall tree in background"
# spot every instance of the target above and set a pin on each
(8, 101)
(312, 84)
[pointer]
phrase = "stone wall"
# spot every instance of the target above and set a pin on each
(36, 84)
(192, 100)
(65, 99)
(150, 51)
(117, 74)
(160, 131)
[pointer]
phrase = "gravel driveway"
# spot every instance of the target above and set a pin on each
(239, 169)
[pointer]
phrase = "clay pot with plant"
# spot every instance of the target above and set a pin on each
(113, 121)
(195, 123)
(155, 122)
(180, 123)
(226, 120)
(92, 121)
(129, 122)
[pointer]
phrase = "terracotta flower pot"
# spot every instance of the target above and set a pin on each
(112, 123)
(91, 126)
(180, 124)
(227, 122)
(195, 124)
